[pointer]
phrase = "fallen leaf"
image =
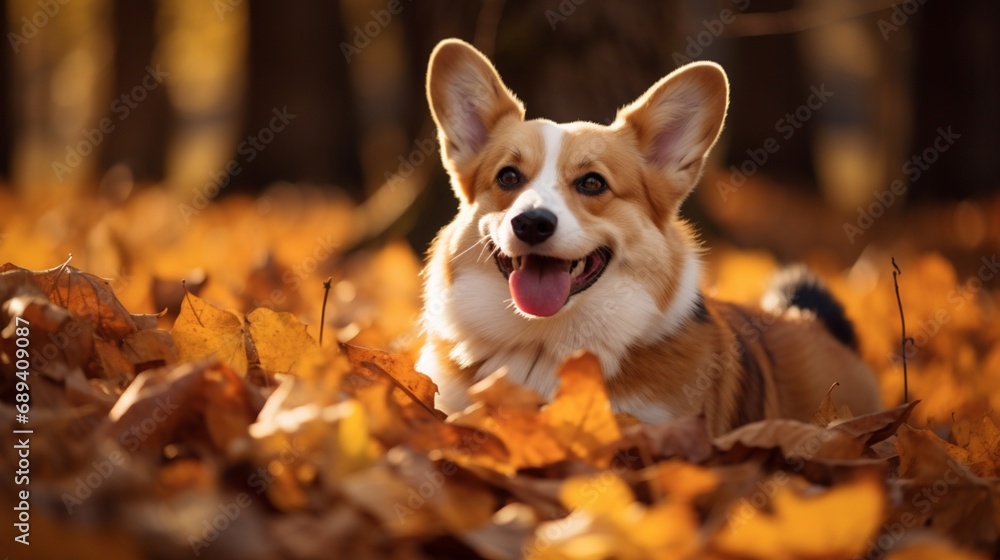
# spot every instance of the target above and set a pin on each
(877, 426)
(685, 437)
(88, 297)
(580, 415)
(834, 524)
(795, 440)
(512, 413)
(416, 387)
(166, 405)
(280, 339)
(148, 349)
(203, 330)
(981, 439)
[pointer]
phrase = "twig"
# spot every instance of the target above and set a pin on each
(902, 320)
(322, 313)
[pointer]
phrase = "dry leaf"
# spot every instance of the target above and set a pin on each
(581, 415)
(280, 339)
(86, 296)
(834, 524)
(203, 330)
(416, 387)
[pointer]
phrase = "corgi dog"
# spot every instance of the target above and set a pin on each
(568, 237)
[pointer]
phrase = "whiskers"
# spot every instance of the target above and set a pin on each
(483, 244)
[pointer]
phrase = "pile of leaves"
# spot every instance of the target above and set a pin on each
(216, 433)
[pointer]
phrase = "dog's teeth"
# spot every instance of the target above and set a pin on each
(575, 269)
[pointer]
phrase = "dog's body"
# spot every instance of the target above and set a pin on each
(567, 237)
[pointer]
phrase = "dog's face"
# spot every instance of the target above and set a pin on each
(567, 235)
(553, 215)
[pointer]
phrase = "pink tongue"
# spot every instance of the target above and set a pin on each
(541, 286)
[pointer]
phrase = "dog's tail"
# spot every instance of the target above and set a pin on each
(796, 287)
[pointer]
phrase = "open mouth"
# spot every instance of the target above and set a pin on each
(542, 285)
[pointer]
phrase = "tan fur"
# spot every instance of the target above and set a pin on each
(731, 363)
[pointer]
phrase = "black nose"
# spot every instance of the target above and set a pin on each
(534, 226)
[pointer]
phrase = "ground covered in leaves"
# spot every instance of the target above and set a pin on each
(181, 404)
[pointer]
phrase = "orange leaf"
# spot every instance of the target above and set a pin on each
(834, 524)
(416, 388)
(580, 416)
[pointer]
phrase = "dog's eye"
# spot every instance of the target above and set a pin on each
(509, 178)
(591, 184)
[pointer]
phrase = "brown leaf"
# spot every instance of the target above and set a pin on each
(827, 412)
(685, 437)
(148, 349)
(414, 387)
(940, 493)
(88, 297)
(170, 404)
(981, 439)
(58, 341)
(877, 426)
(796, 440)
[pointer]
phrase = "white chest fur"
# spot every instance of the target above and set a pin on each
(475, 316)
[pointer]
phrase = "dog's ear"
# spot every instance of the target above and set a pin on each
(678, 120)
(467, 100)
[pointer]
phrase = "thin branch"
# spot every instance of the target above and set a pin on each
(322, 313)
(902, 321)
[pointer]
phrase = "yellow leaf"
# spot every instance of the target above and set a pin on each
(203, 330)
(351, 446)
(280, 339)
(835, 524)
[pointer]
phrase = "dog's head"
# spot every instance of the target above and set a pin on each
(560, 208)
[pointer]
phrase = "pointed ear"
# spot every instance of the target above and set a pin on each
(467, 100)
(678, 120)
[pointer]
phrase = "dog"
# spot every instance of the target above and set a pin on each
(568, 237)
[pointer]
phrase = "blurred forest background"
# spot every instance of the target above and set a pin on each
(352, 73)
(254, 149)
